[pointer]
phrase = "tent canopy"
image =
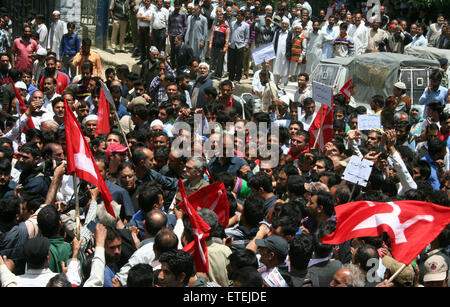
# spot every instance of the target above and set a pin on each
(375, 73)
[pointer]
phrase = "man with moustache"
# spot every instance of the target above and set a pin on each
(22, 50)
(50, 70)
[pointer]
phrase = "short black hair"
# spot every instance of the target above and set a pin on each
(301, 248)
(140, 275)
(248, 277)
(48, 221)
(253, 210)
(179, 262)
(261, 180)
(242, 258)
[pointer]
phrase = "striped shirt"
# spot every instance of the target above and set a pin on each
(343, 47)
(241, 236)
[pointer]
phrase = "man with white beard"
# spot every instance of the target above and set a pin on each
(57, 29)
(282, 44)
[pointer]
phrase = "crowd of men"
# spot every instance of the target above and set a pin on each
(278, 212)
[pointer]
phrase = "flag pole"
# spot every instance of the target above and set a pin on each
(320, 128)
(123, 134)
(397, 273)
(77, 206)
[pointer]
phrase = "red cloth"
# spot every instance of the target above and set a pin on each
(326, 122)
(61, 83)
(103, 115)
(213, 197)
(22, 108)
(80, 159)
(411, 225)
(345, 90)
(197, 247)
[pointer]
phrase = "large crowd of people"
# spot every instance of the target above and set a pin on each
(192, 57)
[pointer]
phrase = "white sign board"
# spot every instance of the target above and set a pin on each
(358, 170)
(299, 112)
(369, 121)
(322, 93)
(275, 280)
(263, 53)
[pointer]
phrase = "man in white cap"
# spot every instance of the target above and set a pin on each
(403, 100)
(57, 29)
(39, 63)
(90, 123)
(22, 87)
(282, 44)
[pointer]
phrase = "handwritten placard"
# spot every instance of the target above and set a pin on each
(369, 121)
(358, 170)
(322, 93)
(263, 53)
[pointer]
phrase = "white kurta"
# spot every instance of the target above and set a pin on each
(361, 39)
(281, 64)
(56, 32)
(314, 49)
(327, 47)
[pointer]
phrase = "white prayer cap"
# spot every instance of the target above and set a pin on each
(285, 99)
(89, 118)
(21, 85)
(204, 64)
(56, 13)
(190, 5)
(153, 48)
(41, 51)
(156, 122)
(286, 20)
(268, 7)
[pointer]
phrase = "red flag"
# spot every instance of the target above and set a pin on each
(22, 107)
(213, 197)
(345, 90)
(103, 115)
(411, 225)
(80, 159)
(197, 248)
(324, 119)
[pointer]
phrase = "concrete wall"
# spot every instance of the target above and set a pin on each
(70, 11)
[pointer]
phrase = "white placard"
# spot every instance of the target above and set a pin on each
(275, 280)
(369, 121)
(263, 53)
(299, 112)
(358, 170)
(322, 93)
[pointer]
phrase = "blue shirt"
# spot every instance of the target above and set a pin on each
(121, 196)
(109, 275)
(138, 221)
(69, 45)
(439, 95)
(433, 179)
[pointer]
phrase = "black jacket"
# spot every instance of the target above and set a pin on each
(183, 55)
(288, 43)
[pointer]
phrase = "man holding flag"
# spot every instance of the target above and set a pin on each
(80, 162)
(411, 225)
